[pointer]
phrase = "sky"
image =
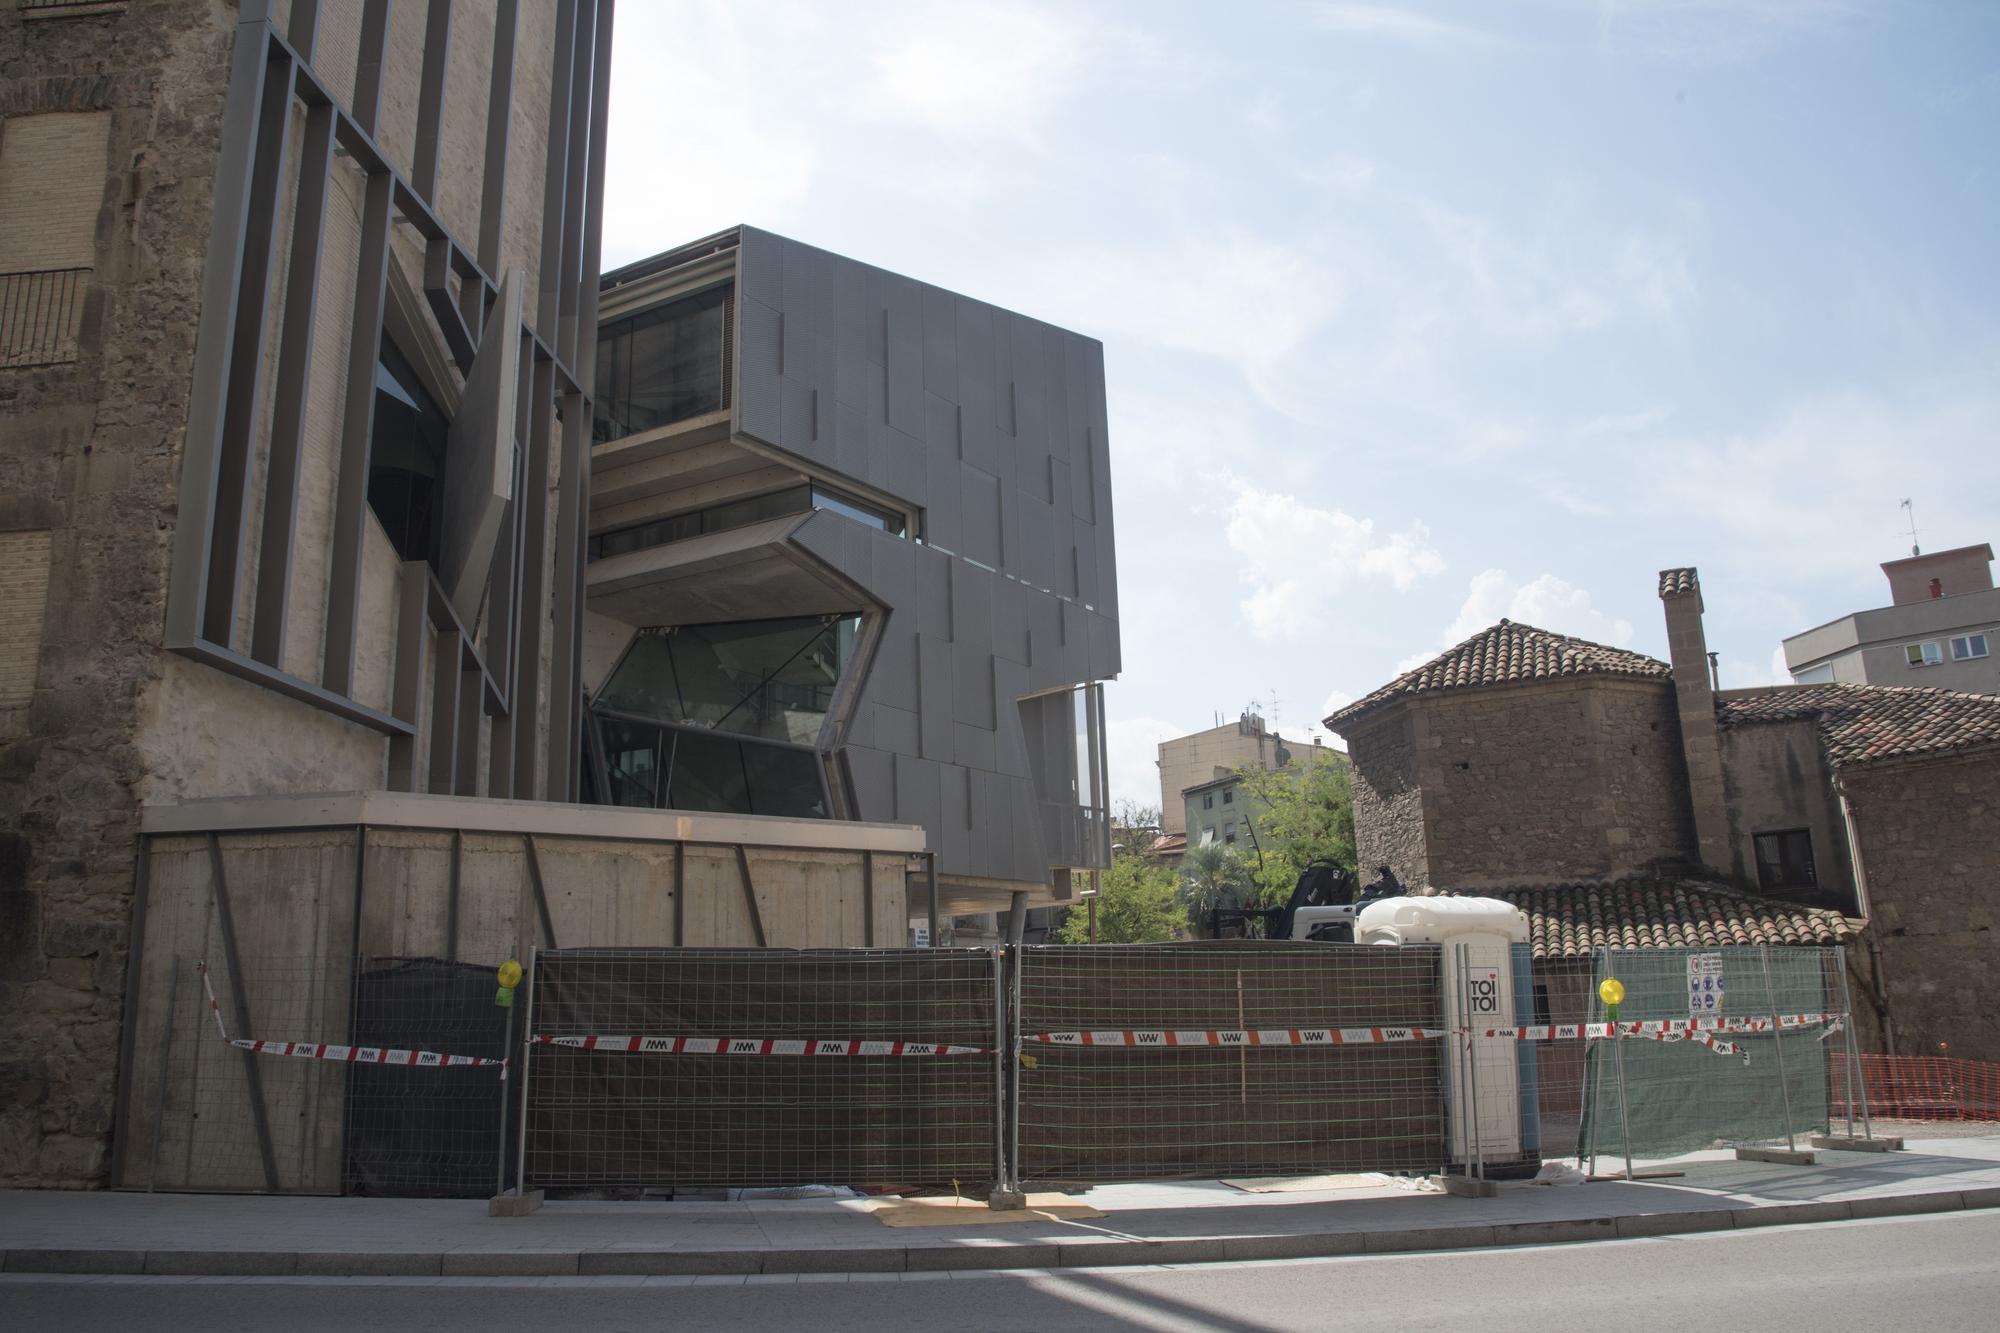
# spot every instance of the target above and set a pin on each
(1415, 316)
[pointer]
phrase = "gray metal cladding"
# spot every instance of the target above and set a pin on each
(993, 426)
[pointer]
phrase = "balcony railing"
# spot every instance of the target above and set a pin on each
(40, 312)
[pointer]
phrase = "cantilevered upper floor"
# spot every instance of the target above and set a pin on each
(851, 556)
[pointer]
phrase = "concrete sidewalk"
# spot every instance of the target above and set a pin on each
(1144, 1224)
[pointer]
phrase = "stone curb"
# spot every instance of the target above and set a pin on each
(993, 1255)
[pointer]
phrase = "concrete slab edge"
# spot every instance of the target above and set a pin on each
(1108, 1252)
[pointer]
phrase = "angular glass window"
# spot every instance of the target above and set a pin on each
(633, 763)
(664, 365)
(708, 774)
(767, 678)
(406, 458)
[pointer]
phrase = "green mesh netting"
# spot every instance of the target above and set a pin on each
(1681, 1097)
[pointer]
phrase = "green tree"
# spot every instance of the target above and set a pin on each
(1301, 816)
(1213, 876)
(1137, 906)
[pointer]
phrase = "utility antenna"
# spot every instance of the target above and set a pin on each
(1910, 512)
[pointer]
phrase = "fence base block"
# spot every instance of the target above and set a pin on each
(1855, 1143)
(516, 1204)
(1466, 1187)
(1004, 1200)
(1782, 1156)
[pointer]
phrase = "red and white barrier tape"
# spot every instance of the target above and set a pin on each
(750, 1046)
(351, 1055)
(1252, 1037)
(1667, 1027)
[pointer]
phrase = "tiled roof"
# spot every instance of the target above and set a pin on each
(1503, 654)
(1674, 581)
(1575, 920)
(1168, 844)
(1861, 723)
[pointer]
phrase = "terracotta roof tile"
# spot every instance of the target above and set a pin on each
(1676, 581)
(1861, 723)
(1576, 920)
(1503, 654)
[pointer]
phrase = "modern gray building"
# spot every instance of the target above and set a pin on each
(850, 558)
(1939, 631)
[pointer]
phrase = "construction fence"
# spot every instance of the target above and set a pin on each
(627, 1071)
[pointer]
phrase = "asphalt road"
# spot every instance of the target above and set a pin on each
(1940, 1274)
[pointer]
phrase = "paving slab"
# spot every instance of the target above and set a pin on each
(1158, 1223)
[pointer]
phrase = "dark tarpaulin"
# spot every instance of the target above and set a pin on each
(634, 1121)
(1111, 1114)
(425, 1132)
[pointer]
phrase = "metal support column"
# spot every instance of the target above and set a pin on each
(527, 1063)
(1778, 1040)
(1856, 1078)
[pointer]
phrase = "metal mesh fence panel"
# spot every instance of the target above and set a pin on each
(1720, 1047)
(1208, 1060)
(1681, 1096)
(309, 1075)
(762, 1067)
(427, 1131)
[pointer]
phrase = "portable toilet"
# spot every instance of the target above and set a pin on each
(1482, 1074)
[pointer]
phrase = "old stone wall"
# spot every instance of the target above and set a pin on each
(1388, 803)
(1557, 780)
(1929, 838)
(1775, 777)
(88, 456)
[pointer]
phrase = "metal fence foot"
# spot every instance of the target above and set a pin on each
(1782, 1156)
(1005, 1200)
(1856, 1143)
(516, 1204)
(1466, 1187)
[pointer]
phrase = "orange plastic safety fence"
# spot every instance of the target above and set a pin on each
(1922, 1087)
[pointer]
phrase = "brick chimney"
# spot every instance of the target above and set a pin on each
(1694, 694)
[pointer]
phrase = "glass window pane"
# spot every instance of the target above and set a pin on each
(643, 683)
(663, 365)
(740, 513)
(632, 759)
(406, 457)
(708, 774)
(784, 782)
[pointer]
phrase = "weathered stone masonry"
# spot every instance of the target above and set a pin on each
(90, 455)
(1930, 840)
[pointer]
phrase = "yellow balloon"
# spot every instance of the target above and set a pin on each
(510, 973)
(1611, 990)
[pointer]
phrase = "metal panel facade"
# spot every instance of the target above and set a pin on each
(993, 425)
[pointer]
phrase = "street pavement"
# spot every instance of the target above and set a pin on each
(1939, 1273)
(196, 1235)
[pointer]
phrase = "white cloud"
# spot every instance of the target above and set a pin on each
(1297, 558)
(990, 69)
(1713, 32)
(1132, 756)
(1546, 603)
(1399, 25)
(1246, 298)
(1820, 482)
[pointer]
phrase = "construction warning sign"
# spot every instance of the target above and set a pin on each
(1704, 984)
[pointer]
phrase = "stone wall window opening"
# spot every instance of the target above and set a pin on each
(1229, 795)
(770, 679)
(41, 313)
(1229, 831)
(665, 365)
(1208, 800)
(1927, 653)
(406, 458)
(1785, 860)
(1967, 646)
